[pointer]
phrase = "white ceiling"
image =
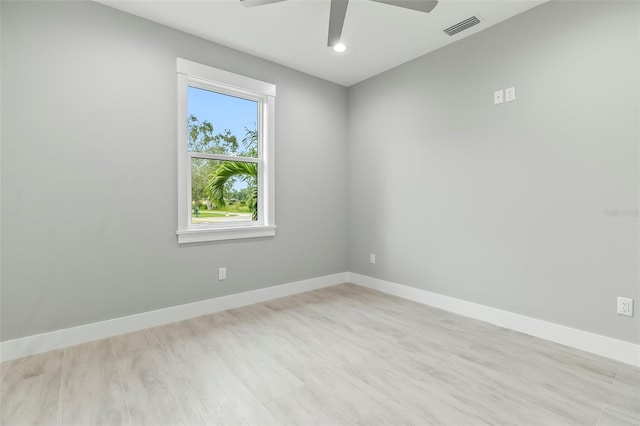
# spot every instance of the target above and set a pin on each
(294, 32)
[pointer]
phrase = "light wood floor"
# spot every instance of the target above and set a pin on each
(341, 355)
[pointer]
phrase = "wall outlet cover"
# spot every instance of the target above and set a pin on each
(498, 96)
(625, 306)
(510, 94)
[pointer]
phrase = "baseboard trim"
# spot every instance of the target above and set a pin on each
(618, 350)
(44, 342)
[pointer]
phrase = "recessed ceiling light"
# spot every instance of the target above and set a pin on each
(339, 47)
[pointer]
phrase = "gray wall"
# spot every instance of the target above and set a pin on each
(505, 205)
(500, 205)
(89, 172)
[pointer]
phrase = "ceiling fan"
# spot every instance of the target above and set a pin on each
(338, 12)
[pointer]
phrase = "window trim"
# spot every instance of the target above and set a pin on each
(205, 77)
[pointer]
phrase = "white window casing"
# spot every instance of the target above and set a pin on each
(208, 78)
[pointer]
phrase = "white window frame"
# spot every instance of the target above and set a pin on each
(208, 78)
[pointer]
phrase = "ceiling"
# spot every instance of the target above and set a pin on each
(294, 32)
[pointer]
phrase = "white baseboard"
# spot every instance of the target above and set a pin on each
(618, 350)
(44, 342)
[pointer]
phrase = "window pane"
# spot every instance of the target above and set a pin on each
(221, 124)
(223, 191)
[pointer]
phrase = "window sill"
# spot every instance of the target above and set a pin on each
(218, 234)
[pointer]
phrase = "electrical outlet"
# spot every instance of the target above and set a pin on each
(510, 94)
(372, 258)
(625, 306)
(222, 274)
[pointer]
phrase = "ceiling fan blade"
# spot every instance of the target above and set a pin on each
(419, 5)
(336, 21)
(252, 3)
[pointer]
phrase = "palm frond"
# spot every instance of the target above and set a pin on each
(229, 170)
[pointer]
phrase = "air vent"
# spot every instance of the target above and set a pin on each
(461, 26)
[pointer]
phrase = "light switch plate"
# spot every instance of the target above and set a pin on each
(510, 94)
(498, 96)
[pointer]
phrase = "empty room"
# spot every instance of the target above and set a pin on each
(320, 212)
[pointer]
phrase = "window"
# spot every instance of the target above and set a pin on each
(225, 155)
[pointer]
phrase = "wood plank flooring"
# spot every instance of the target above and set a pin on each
(343, 355)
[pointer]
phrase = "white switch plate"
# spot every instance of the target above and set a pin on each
(222, 274)
(625, 306)
(510, 94)
(498, 96)
(372, 258)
